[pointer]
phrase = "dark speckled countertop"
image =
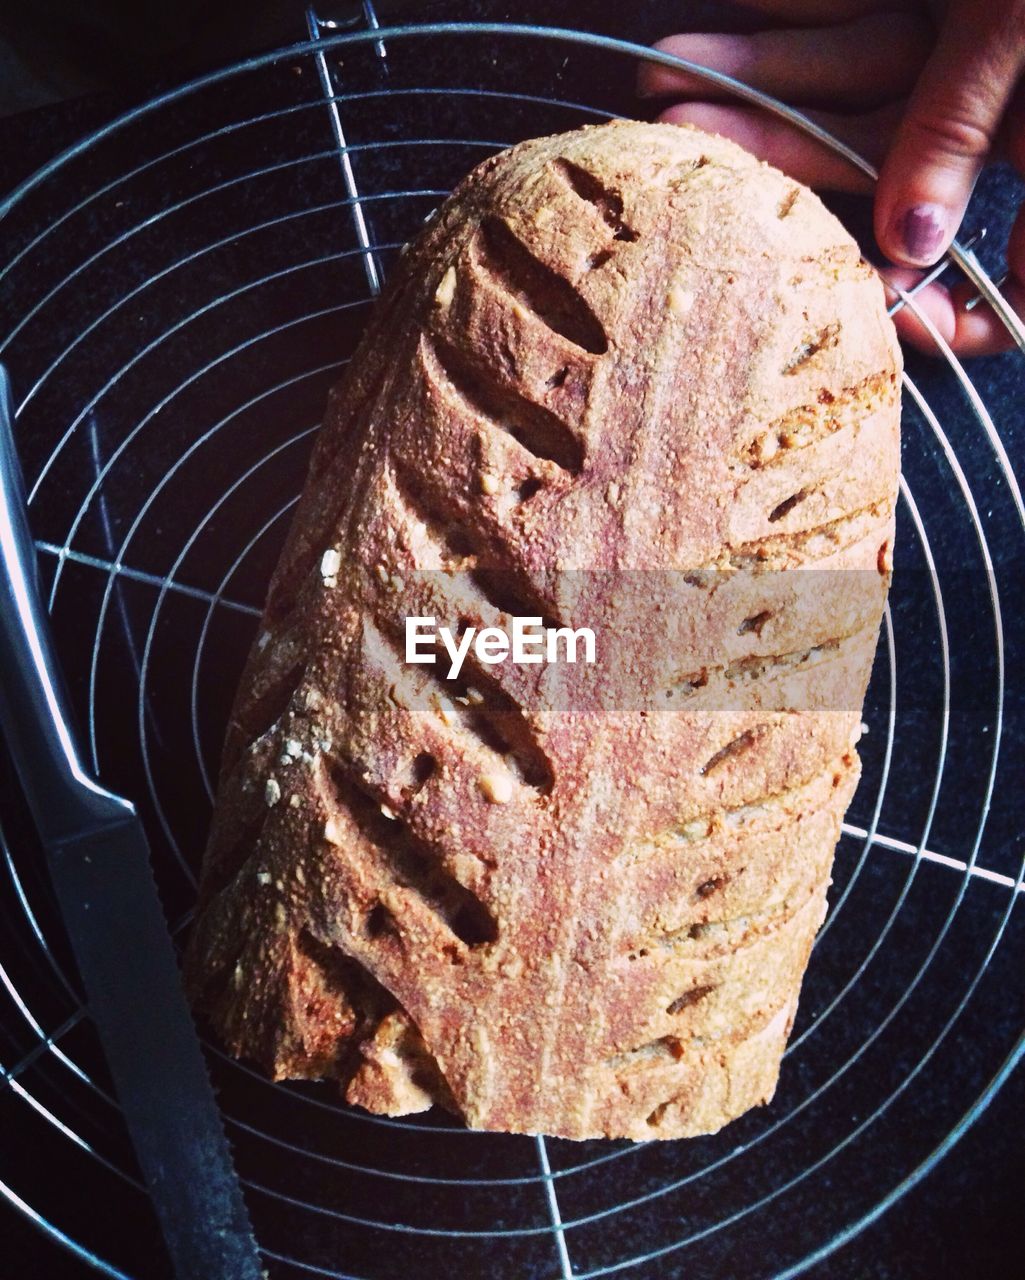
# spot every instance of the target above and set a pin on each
(964, 1220)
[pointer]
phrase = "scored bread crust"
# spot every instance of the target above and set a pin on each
(628, 348)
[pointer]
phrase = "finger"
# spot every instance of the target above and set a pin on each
(980, 330)
(948, 131)
(789, 148)
(977, 331)
(859, 64)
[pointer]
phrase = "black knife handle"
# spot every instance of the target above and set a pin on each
(34, 708)
(118, 932)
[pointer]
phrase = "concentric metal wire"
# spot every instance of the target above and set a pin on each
(165, 563)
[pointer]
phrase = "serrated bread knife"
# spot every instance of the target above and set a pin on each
(100, 866)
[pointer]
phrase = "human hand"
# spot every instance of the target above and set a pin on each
(928, 93)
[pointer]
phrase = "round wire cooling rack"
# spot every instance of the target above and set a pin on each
(182, 289)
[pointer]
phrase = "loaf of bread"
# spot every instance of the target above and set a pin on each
(632, 379)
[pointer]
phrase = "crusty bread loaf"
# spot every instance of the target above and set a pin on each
(628, 378)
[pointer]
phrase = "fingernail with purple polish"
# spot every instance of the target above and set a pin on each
(923, 230)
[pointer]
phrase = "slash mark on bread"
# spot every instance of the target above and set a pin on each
(780, 550)
(533, 426)
(787, 505)
(267, 703)
(831, 411)
(538, 288)
(663, 1047)
(690, 997)
(226, 859)
(608, 203)
(693, 828)
(738, 746)
(464, 549)
(827, 337)
(754, 666)
(755, 623)
(478, 709)
(414, 867)
(345, 975)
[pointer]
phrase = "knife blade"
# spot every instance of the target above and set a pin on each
(99, 862)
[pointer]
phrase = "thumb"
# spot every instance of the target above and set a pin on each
(948, 130)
